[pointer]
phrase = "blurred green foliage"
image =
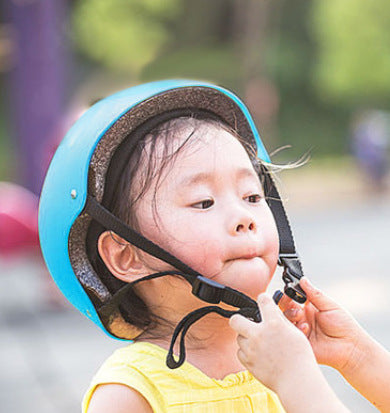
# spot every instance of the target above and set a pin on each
(202, 46)
(305, 121)
(123, 34)
(207, 63)
(353, 50)
(326, 58)
(182, 38)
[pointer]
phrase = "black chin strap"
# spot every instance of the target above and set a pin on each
(191, 318)
(183, 327)
(205, 289)
(288, 257)
(202, 287)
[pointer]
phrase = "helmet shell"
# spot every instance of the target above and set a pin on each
(81, 161)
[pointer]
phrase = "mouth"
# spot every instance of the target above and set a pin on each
(245, 256)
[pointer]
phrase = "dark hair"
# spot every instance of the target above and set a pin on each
(144, 165)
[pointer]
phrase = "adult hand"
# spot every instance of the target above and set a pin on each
(333, 333)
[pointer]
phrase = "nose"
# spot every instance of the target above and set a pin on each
(244, 223)
(245, 227)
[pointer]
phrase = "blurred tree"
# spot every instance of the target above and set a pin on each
(201, 45)
(222, 40)
(225, 45)
(353, 51)
(304, 120)
(254, 21)
(261, 49)
(123, 35)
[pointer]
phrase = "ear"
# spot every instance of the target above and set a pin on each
(120, 257)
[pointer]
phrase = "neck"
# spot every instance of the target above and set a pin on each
(211, 345)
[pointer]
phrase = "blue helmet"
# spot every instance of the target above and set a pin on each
(80, 165)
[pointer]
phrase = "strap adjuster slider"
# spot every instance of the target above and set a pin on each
(207, 290)
(291, 275)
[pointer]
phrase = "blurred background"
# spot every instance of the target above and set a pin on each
(316, 77)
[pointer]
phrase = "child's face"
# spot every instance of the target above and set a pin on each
(209, 211)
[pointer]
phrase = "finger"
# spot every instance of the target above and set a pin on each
(241, 325)
(317, 297)
(242, 357)
(285, 302)
(294, 314)
(241, 341)
(290, 308)
(305, 328)
(243, 344)
(268, 308)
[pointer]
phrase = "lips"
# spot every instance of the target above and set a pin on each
(246, 254)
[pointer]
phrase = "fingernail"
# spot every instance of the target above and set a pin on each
(292, 312)
(305, 328)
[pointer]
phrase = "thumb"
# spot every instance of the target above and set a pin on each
(321, 301)
(268, 309)
(241, 325)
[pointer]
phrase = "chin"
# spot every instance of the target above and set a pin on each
(251, 278)
(253, 290)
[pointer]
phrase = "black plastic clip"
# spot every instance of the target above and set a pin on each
(291, 275)
(208, 290)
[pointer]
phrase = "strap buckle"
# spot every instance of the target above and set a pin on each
(291, 275)
(208, 290)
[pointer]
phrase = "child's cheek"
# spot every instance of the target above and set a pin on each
(204, 257)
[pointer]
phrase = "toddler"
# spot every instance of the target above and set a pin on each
(155, 203)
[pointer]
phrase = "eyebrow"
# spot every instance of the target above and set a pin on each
(203, 177)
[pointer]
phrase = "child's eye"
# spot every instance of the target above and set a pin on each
(207, 203)
(255, 198)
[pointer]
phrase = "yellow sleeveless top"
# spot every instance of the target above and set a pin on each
(141, 366)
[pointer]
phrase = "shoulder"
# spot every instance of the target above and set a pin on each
(139, 381)
(118, 398)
